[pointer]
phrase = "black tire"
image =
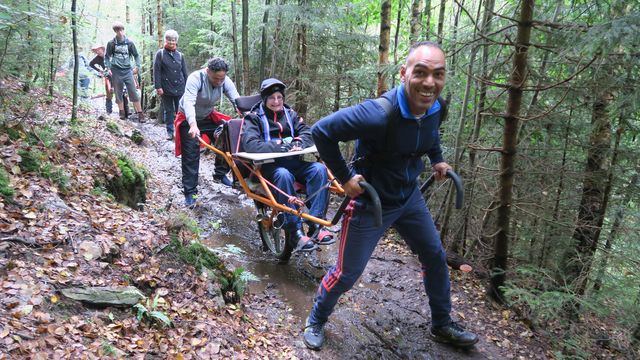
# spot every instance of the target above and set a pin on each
(273, 240)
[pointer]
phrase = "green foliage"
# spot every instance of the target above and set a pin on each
(131, 173)
(215, 225)
(76, 128)
(31, 160)
(197, 255)
(55, 174)
(108, 349)
(234, 284)
(113, 128)
(44, 135)
(101, 190)
(137, 137)
(5, 186)
(190, 223)
(150, 314)
(14, 133)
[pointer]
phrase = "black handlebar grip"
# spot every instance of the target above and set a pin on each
(375, 199)
(456, 181)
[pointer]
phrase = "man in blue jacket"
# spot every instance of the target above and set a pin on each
(391, 135)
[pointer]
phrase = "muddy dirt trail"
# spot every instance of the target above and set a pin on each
(385, 316)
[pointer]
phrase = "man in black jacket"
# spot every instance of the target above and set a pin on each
(169, 78)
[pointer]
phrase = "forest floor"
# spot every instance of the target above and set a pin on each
(48, 236)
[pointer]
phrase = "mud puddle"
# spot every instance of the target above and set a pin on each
(296, 281)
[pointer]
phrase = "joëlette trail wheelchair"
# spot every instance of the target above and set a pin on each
(246, 169)
(248, 177)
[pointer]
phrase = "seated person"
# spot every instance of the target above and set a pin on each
(272, 126)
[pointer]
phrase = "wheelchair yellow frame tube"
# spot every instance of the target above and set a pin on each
(270, 199)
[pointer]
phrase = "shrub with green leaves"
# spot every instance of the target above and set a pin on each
(233, 284)
(31, 160)
(55, 174)
(151, 314)
(44, 135)
(5, 187)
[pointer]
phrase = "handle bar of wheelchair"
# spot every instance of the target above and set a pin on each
(375, 199)
(456, 181)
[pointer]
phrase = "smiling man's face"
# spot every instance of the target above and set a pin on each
(423, 76)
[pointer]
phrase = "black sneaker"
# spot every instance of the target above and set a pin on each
(313, 336)
(454, 334)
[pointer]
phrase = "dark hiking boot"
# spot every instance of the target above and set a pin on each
(313, 336)
(320, 235)
(170, 136)
(224, 180)
(109, 106)
(303, 243)
(454, 334)
(141, 117)
(123, 115)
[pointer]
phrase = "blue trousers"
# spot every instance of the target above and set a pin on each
(313, 175)
(169, 108)
(359, 238)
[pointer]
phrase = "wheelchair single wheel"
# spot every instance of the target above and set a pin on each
(273, 239)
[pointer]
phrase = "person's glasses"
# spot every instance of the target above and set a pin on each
(275, 98)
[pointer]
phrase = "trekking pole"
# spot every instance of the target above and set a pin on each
(375, 199)
(456, 181)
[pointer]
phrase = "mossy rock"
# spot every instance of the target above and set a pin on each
(113, 128)
(130, 187)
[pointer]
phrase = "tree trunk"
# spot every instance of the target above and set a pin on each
(95, 34)
(518, 77)
(52, 67)
(74, 40)
(234, 39)
(416, 21)
(427, 16)
(276, 43)
(245, 46)
(383, 49)
(212, 26)
(550, 232)
(617, 218)
(127, 17)
(301, 94)
(441, 20)
(159, 23)
(577, 262)
(395, 42)
(263, 50)
(448, 200)
(457, 159)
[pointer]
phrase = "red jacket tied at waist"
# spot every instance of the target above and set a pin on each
(217, 118)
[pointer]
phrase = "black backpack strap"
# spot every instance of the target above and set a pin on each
(389, 114)
(201, 81)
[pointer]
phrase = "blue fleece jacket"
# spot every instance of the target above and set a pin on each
(393, 178)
